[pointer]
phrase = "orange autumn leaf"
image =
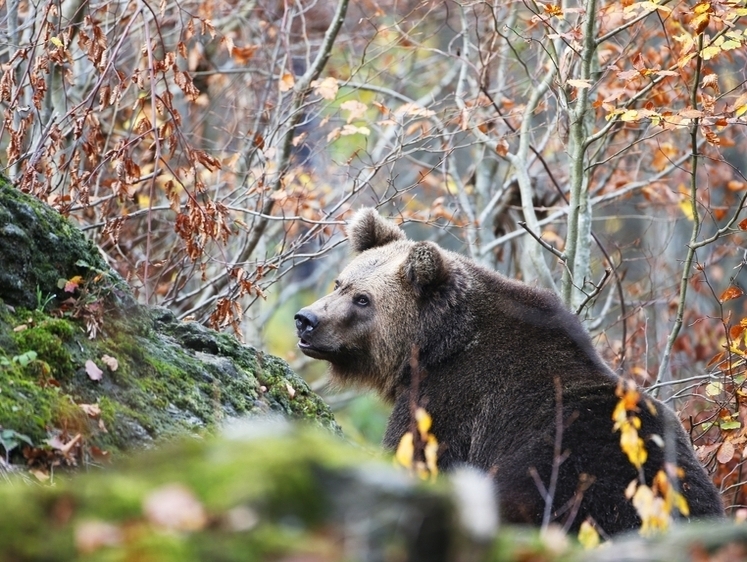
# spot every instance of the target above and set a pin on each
(736, 331)
(730, 293)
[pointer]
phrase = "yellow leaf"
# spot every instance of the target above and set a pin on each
(714, 389)
(730, 44)
(709, 52)
(588, 536)
(405, 450)
(632, 445)
(56, 42)
(629, 115)
(687, 209)
(651, 509)
(700, 22)
(424, 422)
(431, 455)
(702, 8)
(681, 504)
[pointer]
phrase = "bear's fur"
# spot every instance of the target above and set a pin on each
(494, 352)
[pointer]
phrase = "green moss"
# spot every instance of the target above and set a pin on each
(25, 407)
(49, 339)
(275, 493)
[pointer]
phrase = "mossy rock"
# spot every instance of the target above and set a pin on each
(87, 362)
(38, 247)
(267, 492)
(270, 492)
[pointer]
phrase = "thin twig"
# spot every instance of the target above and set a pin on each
(544, 243)
(597, 289)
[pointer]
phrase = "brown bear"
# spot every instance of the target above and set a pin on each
(496, 355)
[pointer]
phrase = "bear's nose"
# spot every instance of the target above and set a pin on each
(306, 321)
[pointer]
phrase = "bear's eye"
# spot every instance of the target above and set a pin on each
(337, 284)
(361, 300)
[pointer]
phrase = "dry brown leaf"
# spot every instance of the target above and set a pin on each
(110, 362)
(327, 88)
(725, 452)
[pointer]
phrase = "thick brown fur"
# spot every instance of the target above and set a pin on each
(492, 349)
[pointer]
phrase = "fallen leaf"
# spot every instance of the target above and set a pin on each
(73, 283)
(98, 454)
(111, 362)
(92, 535)
(174, 507)
(57, 443)
(40, 475)
(93, 371)
(291, 390)
(241, 519)
(92, 410)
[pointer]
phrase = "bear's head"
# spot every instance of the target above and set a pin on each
(393, 295)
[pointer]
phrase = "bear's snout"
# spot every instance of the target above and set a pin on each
(305, 321)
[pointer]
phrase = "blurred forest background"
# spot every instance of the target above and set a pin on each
(213, 149)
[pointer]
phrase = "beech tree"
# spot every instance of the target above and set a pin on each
(590, 147)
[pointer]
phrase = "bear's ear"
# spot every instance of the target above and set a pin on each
(368, 230)
(425, 267)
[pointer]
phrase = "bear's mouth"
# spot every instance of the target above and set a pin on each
(311, 351)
